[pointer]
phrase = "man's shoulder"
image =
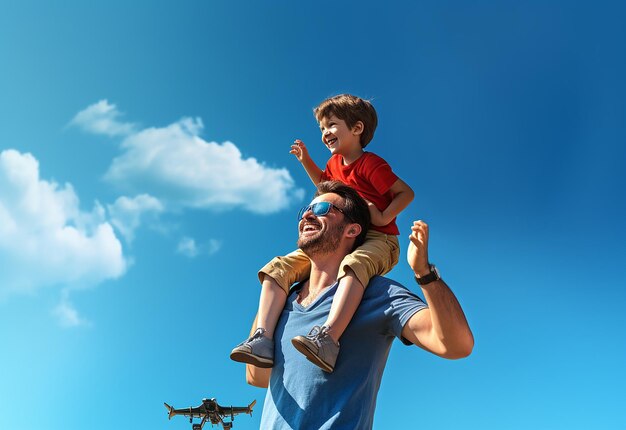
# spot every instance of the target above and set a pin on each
(380, 280)
(382, 284)
(397, 302)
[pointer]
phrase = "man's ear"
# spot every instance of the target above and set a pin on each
(353, 230)
(358, 128)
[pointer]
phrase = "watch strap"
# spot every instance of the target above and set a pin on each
(431, 277)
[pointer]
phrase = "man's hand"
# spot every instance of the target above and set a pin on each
(299, 150)
(417, 254)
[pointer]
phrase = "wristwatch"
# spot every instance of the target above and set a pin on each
(431, 277)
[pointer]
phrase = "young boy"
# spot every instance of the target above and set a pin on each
(347, 123)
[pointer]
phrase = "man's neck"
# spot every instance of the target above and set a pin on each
(324, 270)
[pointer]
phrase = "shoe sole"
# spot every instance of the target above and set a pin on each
(243, 357)
(310, 355)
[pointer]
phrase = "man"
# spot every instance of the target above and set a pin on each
(301, 395)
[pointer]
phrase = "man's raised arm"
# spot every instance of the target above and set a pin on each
(441, 328)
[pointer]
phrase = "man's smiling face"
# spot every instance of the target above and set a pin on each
(322, 234)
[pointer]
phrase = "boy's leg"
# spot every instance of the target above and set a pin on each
(271, 304)
(376, 256)
(287, 270)
(276, 278)
(258, 349)
(321, 345)
(347, 299)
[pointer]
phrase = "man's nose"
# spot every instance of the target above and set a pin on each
(308, 213)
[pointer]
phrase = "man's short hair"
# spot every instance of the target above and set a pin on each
(355, 208)
(350, 109)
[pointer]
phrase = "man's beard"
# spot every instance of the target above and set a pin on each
(324, 242)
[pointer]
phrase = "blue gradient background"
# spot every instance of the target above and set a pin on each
(508, 119)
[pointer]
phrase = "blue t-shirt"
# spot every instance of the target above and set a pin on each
(301, 395)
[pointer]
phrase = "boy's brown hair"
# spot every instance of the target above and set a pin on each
(350, 109)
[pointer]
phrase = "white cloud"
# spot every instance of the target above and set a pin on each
(102, 118)
(189, 248)
(181, 169)
(127, 213)
(66, 313)
(45, 239)
(213, 246)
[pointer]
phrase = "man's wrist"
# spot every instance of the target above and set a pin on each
(421, 272)
(431, 275)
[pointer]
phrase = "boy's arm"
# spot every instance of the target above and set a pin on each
(255, 375)
(302, 154)
(402, 196)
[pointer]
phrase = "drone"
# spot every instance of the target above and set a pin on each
(210, 411)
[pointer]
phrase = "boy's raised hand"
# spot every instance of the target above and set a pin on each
(299, 150)
(417, 254)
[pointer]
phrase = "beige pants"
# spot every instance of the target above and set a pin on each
(377, 256)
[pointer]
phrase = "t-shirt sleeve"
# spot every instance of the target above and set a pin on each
(403, 305)
(379, 174)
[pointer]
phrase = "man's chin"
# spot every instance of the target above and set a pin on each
(320, 243)
(307, 247)
(313, 251)
(310, 245)
(317, 247)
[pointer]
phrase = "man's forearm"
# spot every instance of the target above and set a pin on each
(449, 325)
(257, 377)
(442, 328)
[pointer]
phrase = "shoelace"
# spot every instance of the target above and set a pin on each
(258, 334)
(317, 333)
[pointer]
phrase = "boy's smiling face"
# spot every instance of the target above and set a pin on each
(338, 137)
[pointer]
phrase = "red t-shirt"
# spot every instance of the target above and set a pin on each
(371, 176)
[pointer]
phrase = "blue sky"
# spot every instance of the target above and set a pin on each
(145, 176)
